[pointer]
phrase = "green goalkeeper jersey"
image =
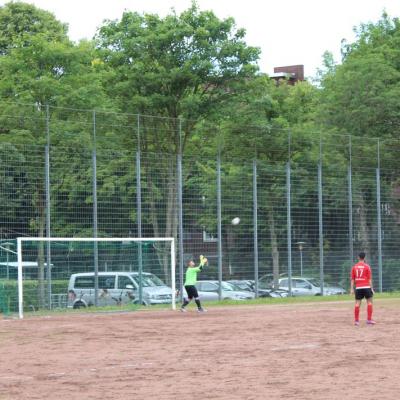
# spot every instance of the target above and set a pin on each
(191, 275)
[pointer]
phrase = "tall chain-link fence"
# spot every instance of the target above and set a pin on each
(307, 203)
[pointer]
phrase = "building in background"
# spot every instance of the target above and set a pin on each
(290, 73)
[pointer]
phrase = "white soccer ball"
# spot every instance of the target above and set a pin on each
(235, 221)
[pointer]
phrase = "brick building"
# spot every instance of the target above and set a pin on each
(291, 73)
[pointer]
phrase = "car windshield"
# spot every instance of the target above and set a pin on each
(228, 286)
(314, 282)
(263, 284)
(148, 280)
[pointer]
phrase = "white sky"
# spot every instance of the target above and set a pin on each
(288, 32)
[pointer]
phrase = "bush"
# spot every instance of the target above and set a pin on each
(30, 290)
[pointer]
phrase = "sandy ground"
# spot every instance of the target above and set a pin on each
(301, 351)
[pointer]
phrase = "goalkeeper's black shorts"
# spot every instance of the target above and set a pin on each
(191, 291)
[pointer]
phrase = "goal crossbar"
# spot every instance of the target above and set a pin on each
(21, 240)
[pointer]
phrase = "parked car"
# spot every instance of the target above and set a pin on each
(249, 285)
(116, 288)
(208, 290)
(243, 285)
(302, 286)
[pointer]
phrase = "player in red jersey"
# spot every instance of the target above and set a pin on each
(361, 280)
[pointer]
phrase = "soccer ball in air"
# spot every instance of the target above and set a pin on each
(235, 221)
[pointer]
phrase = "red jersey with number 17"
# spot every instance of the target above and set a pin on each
(361, 274)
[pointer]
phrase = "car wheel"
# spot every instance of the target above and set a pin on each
(79, 304)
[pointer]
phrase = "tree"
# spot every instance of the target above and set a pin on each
(40, 66)
(20, 22)
(177, 67)
(360, 98)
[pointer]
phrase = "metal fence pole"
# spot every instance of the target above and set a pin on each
(289, 225)
(180, 227)
(219, 224)
(48, 205)
(139, 210)
(379, 227)
(48, 232)
(350, 196)
(255, 226)
(95, 229)
(321, 229)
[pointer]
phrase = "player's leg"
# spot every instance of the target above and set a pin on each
(186, 301)
(369, 297)
(358, 296)
(197, 300)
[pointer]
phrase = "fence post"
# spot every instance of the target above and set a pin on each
(289, 225)
(48, 205)
(321, 228)
(94, 189)
(379, 227)
(379, 220)
(350, 196)
(180, 227)
(350, 206)
(255, 226)
(139, 210)
(219, 224)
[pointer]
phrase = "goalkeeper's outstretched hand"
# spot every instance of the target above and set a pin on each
(203, 260)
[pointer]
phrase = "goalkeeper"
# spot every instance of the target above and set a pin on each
(190, 283)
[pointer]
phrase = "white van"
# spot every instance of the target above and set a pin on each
(115, 288)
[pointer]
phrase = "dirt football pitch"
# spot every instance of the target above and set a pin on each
(292, 351)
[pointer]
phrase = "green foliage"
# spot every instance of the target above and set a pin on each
(179, 66)
(360, 97)
(30, 288)
(21, 22)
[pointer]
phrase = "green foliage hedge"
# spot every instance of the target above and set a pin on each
(9, 292)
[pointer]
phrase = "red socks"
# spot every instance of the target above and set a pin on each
(356, 313)
(369, 312)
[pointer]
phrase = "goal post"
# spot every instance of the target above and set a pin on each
(78, 272)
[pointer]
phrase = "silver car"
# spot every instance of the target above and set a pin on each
(115, 288)
(209, 290)
(308, 287)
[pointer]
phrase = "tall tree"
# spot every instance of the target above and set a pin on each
(360, 98)
(40, 66)
(178, 67)
(20, 22)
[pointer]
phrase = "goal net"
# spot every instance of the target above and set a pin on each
(94, 272)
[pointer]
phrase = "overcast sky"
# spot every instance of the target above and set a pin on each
(288, 32)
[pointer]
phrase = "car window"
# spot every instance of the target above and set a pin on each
(240, 286)
(300, 283)
(146, 281)
(284, 283)
(227, 286)
(84, 282)
(107, 282)
(156, 280)
(208, 287)
(314, 282)
(123, 281)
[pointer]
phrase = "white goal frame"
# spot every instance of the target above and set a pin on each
(21, 240)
